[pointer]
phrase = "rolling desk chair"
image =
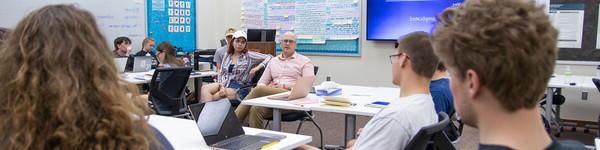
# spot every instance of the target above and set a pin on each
(432, 136)
(301, 116)
(558, 100)
(167, 92)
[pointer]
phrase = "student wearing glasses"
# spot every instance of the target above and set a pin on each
(280, 75)
(413, 66)
(237, 69)
(167, 57)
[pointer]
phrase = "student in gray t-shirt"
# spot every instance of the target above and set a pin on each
(220, 53)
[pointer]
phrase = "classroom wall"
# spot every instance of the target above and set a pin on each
(372, 68)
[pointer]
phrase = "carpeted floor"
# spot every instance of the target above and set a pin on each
(333, 130)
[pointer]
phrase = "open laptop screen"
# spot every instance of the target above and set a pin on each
(216, 121)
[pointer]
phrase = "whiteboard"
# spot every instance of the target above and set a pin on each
(114, 17)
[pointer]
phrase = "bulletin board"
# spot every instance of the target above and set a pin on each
(173, 21)
(324, 27)
(589, 47)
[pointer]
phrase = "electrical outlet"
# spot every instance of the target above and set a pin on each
(584, 95)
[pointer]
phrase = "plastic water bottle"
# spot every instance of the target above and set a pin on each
(567, 74)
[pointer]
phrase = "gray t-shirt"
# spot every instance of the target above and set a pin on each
(219, 54)
(394, 126)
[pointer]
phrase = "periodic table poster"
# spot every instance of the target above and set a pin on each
(173, 21)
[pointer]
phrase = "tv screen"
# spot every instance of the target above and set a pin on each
(390, 19)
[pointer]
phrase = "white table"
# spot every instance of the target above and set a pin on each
(184, 134)
(145, 77)
(359, 95)
(562, 81)
(277, 106)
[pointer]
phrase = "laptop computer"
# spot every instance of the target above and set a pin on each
(300, 89)
(120, 64)
(222, 129)
(142, 63)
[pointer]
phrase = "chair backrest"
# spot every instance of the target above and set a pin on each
(432, 136)
(597, 83)
(167, 89)
(257, 76)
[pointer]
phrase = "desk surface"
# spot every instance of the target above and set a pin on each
(145, 77)
(562, 81)
(184, 134)
(359, 95)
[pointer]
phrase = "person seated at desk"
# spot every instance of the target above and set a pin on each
(147, 45)
(62, 90)
(236, 71)
(500, 55)
(221, 52)
(442, 98)
(167, 57)
(281, 74)
(413, 65)
(122, 47)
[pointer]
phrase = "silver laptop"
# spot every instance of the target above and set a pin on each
(142, 63)
(120, 64)
(300, 89)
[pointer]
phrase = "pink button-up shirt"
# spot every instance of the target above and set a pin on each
(284, 72)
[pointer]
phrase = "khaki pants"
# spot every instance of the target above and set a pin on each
(257, 114)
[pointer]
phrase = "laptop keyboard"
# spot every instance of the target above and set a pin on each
(244, 142)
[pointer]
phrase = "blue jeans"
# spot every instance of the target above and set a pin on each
(241, 92)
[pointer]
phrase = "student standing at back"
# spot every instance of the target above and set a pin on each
(61, 89)
(500, 55)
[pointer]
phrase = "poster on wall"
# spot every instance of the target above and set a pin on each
(173, 21)
(568, 19)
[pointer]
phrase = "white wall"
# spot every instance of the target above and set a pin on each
(372, 68)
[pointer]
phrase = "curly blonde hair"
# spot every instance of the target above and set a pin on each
(61, 87)
(510, 44)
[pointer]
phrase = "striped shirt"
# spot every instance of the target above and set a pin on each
(240, 71)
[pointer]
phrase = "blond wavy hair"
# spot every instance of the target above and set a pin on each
(61, 87)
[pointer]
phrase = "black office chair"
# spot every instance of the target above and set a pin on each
(301, 116)
(557, 100)
(432, 136)
(597, 83)
(167, 89)
(254, 81)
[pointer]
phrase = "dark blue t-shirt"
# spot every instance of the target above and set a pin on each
(442, 96)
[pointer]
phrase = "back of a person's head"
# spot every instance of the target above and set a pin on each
(61, 89)
(417, 46)
(170, 53)
(510, 44)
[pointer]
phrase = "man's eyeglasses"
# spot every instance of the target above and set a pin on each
(393, 57)
(286, 41)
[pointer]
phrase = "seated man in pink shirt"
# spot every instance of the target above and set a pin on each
(279, 76)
